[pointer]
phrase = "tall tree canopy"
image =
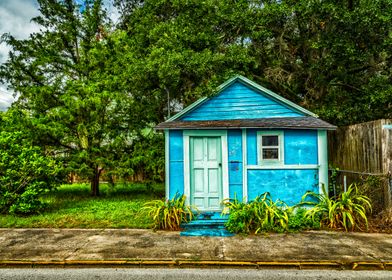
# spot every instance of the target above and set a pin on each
(67, 76)
(333, 57)
(330, 56)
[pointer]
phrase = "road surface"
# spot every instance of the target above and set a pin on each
(166, 274)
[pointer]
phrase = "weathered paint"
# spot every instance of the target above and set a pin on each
(300, 147)
(239, 101)
(235, 163)
(251, 145)
(244, 161)
(167, 165)
(283, 184)
(176, 163)
(323, 159)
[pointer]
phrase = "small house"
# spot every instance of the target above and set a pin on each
(242, 142)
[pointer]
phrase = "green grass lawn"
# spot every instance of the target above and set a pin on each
(71, 206)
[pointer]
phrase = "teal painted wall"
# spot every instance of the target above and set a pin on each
(283, 184)
(251, 146)
(240, 102)
(176, 163)
(234, 146)
(300, 146)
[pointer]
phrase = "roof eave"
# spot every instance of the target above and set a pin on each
(247, 127)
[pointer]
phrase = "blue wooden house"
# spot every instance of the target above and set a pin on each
(244, 141)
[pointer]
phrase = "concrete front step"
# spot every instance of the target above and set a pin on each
(206, 232)
(206, 224)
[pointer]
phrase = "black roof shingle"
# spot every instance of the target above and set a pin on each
(288, 122)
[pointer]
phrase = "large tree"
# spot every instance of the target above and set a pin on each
(333, 57)
(67, 76)
(181, 50)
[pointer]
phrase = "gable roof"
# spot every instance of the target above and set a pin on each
(245, 105)
(250, 84)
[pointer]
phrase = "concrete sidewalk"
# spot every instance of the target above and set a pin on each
(130, 247)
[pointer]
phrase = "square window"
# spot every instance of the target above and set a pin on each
(270, 147)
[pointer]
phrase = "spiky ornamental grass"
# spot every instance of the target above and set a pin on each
(169, 214)
(349, 210)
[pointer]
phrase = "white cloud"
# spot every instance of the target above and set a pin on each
(15, 18)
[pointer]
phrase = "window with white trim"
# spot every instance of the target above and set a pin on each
(270, 147)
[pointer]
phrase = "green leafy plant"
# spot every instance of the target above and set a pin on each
(349, 210)
(298, 221)
(25, 174)
(169, 214)
(260, 214)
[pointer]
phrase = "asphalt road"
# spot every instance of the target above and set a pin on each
(166, 274)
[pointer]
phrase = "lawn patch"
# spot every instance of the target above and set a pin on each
(72, 206)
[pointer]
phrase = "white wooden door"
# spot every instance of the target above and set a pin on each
(206, 172)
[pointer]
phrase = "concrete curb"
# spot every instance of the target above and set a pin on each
(336, 265)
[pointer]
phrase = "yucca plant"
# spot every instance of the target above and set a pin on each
(260, 214)
(241, 216)
(169, 214)
(349, 210)
(274, 215)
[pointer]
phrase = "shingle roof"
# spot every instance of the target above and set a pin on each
(292, 123)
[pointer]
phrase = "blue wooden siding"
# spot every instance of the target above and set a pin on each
(300, 147)
(176, 162)
(234, 144)
(251, 144)
(240, 102)
(283, 184)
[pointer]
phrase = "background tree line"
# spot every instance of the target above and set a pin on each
(91, 90)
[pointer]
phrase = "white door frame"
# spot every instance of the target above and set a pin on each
(225, 170)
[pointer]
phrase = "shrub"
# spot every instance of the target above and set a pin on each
(25, 173)
(349, 210)
(298, 220)
(169, 214)
(261, 214)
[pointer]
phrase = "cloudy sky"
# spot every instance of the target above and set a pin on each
(15, 18)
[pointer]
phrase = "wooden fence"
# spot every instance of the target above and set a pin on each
(361, 151)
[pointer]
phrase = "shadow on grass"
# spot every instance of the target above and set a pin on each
(79, 195)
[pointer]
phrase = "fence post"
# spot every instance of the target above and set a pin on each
(387, 160)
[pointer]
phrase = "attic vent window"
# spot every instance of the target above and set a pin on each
(270, 147)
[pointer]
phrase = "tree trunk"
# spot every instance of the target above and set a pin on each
(95, 181)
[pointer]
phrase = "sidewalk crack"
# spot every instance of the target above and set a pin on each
(84, 245)
(361, 251)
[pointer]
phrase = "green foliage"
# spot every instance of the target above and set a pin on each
(25, 174)
(144, 158)
(298, 221)
(69, 77)
(349, 210)
(331, 56)
(169, 214)
(260, 214)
